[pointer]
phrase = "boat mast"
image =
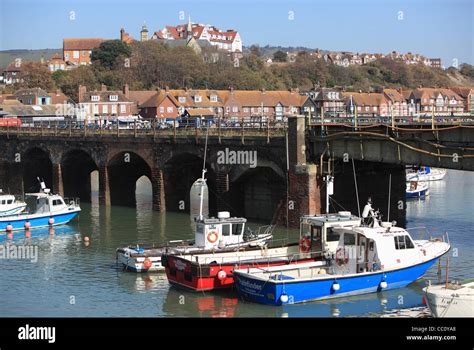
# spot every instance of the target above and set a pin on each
(203, 180)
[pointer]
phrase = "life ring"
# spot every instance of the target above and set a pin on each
(341, 258)
(305, 245)
(212, 236)
(147, 263)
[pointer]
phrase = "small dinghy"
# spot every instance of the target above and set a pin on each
(416, 189)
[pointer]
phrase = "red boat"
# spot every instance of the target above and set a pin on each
(210, 269)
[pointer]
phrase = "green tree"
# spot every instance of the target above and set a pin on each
(280, 56)
(255, 50)
(108, 53)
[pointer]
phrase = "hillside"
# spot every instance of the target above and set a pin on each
(8, 56)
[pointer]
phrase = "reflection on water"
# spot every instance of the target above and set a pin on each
(73, 277)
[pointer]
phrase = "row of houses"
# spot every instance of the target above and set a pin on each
(346, 59)
(235, 104)
(397, 102)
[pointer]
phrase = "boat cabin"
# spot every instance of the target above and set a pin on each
(367, 249)
(45, 203)
(318, 235)
(219, 232)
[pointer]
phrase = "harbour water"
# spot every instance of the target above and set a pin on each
(72, 277)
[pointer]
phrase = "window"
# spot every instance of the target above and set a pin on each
(403, 242)
(246, 109)
(265, 109)
(349, 239)
(57, 202)
(235, 109)
(227, 109)
(213, 98)
(181, 99)
(105, 109)
(123, 108)
(51, 68)
(169, 109)
(95, 98)
(226, 230)
(66, 57)
(96, 109)
(162, 109)
(197, 98)
(113, 98)
(75, 54)
(236, 229)
(114, 109)
(331, 236)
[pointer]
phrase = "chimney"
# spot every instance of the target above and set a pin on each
(167, 88)
(58, 92)
(103, 88)
(82, 92)
(126, 90)
(122, 34)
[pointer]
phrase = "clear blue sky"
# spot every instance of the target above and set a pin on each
(435, 28)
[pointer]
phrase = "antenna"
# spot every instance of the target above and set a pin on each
(355, 182)
(201, 197)
(389, 193)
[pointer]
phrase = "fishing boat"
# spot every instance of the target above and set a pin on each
(455, 299)
(9, 205)
(44, 209)
(210, 269)
(221, 234)
(368, 259)
(416, 189)
(426, 173)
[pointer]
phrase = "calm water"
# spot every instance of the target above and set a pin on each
(75, 278)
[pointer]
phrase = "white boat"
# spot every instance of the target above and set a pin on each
(44, 209)
(9, 205)
(368, 259)
(426, 174)
(220, 234)
(416, 189)
(451, 299)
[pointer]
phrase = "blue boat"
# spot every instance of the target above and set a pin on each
(44, 210)
(367, 260)
(417, 189)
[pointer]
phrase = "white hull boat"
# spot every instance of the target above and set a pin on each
(451, 300)
(426, 174)
(9, 205)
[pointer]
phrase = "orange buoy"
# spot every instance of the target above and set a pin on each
(9, 228)
(147, 263)
(86, 239)
(27, 225)
(51, 221)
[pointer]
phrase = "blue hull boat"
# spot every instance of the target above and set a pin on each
(44, 210)
(368, 259)
(298, 291)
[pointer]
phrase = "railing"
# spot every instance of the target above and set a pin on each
(244, 127)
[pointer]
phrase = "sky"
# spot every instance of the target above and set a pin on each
(434, 28)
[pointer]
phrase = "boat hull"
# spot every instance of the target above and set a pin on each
(298, 291)
(37, 221)
(449, 304)
(189, 275)
(136, 262)
(417, 194)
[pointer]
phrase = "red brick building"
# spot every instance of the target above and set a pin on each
(161, 105)
(78, 51)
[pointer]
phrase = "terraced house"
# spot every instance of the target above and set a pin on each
(104, 104)
(439, 101)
